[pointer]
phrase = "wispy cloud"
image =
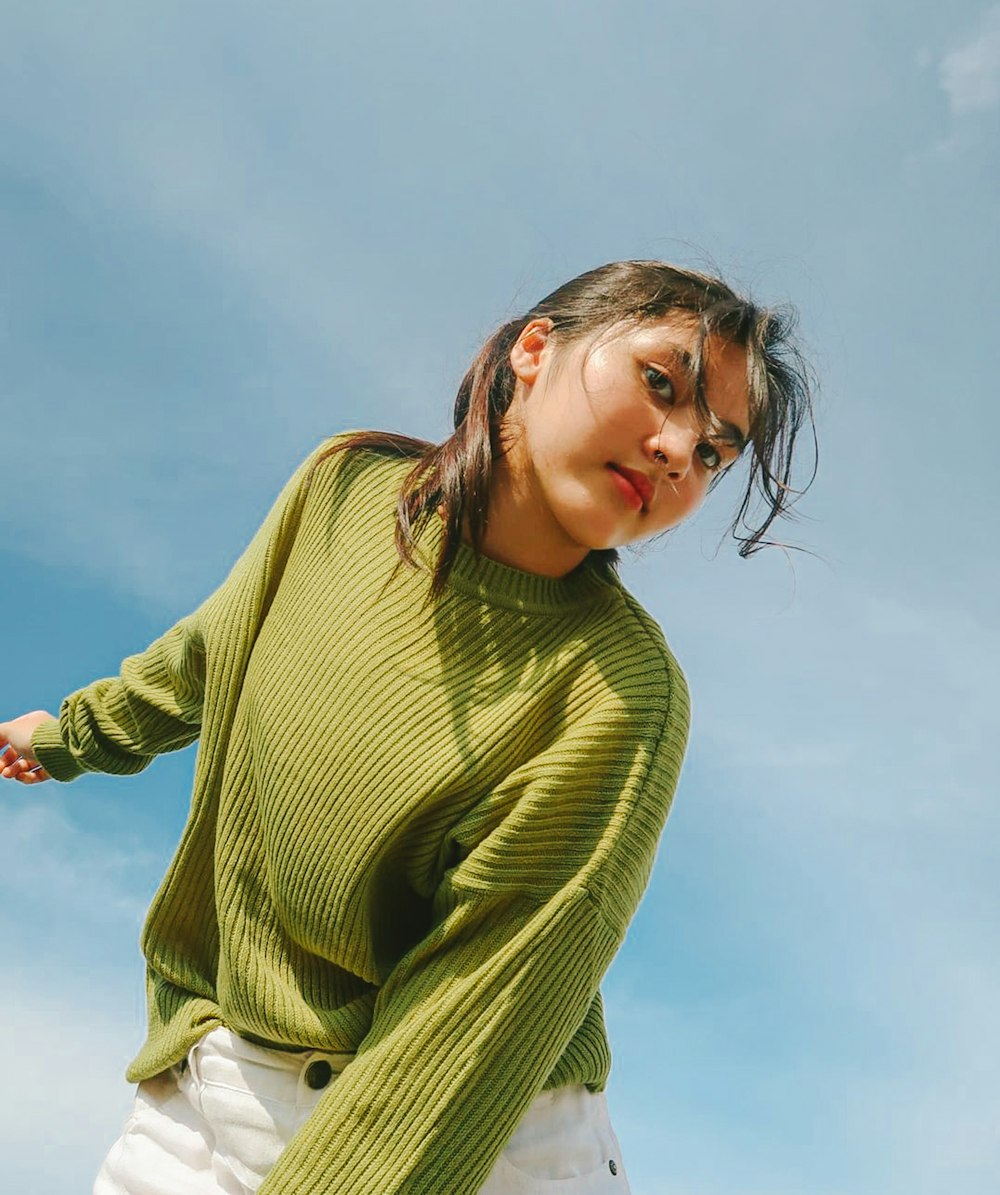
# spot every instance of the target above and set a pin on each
(970, 74)
(48, 865)
(70, 1098)
(884, 719)
(198, 179)
(877, 982)
(967, 76)
(70, 1008)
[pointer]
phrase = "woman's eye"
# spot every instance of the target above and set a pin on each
(660, 383)
(710, 457)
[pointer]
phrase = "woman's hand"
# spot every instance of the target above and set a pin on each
(16, 757)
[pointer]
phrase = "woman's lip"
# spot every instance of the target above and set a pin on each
(630, 485)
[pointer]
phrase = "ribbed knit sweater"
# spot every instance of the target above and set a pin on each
(418, 831)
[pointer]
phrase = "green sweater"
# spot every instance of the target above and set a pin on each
(418, 832)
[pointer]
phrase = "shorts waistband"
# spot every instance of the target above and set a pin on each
(224, 1041)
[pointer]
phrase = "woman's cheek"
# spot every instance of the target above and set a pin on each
(695, 497)
(679, 503)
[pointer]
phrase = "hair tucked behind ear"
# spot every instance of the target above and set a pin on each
(454, 476)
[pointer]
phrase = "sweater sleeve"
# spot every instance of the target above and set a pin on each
(155, 704)
(472, 1021)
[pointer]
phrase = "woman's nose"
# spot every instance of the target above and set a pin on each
(673, 451)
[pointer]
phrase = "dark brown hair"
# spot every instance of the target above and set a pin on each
(455, 474)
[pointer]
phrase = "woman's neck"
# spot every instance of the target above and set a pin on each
(520, 529)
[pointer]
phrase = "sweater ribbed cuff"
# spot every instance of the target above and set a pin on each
(53, 754)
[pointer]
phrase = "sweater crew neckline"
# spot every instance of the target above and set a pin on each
(592, 582)
(497, 584)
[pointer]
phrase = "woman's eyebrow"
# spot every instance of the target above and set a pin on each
(734, 433)
(682, 357)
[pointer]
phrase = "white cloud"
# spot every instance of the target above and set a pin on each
(64, 1098)
(49, 866)
(970, 74)
(882, 1065)
(196, 173)
(71, 1004)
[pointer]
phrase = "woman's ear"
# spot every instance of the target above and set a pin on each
(527, 354)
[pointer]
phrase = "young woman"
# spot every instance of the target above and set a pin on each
(438, 744)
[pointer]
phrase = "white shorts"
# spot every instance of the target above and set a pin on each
(216, 1123)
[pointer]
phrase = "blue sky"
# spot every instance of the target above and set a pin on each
(228, 232)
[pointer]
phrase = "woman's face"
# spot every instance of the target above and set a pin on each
(603, 441)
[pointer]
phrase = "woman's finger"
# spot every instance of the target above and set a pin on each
(34, 776)
(11, 759)
(15, 769)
